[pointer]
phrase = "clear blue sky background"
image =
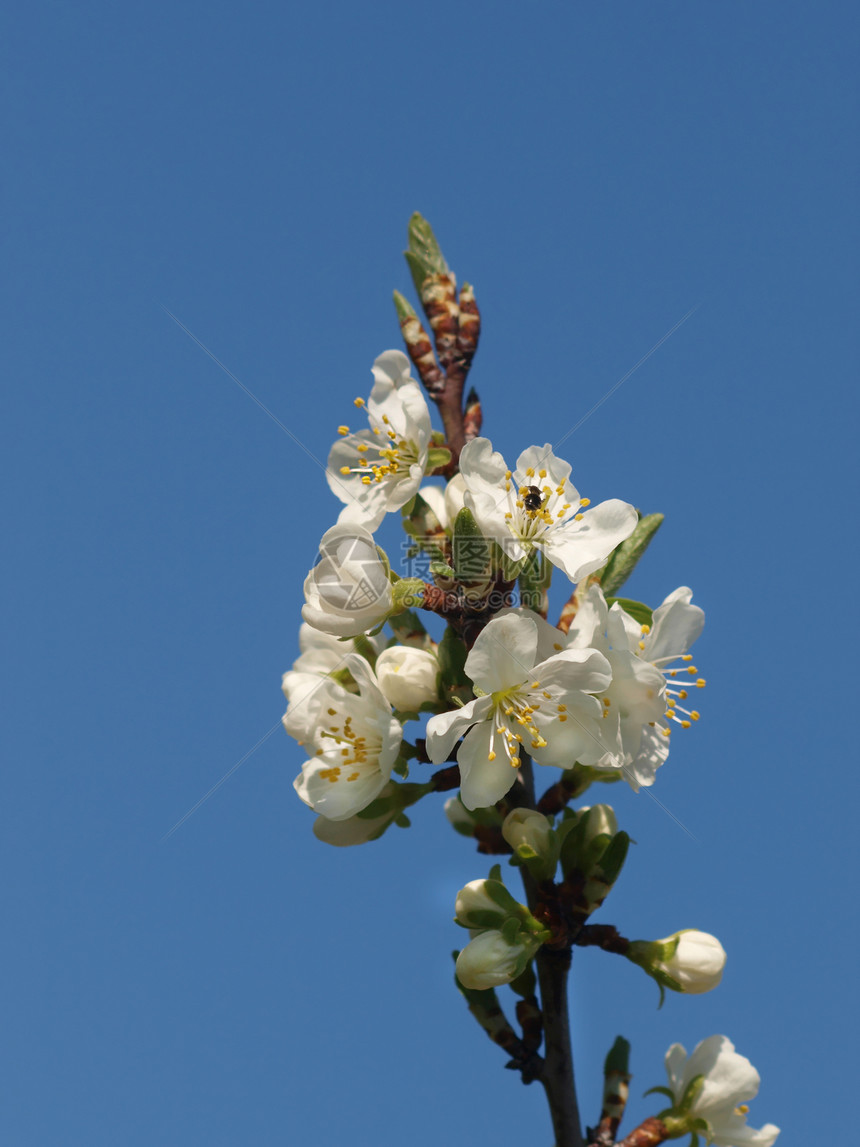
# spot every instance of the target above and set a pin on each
(596, 170)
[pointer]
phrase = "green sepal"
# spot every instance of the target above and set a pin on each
(496, 874)
(403, 821)
(613, 858)
(400, 767)
(624, 558)
(437, 458)
(659, 1091)
(424, 254)
(638, 610)
(691, 1094)
(404, 308)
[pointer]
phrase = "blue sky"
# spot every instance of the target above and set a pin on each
(596, 170)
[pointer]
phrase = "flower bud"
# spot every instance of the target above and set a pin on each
(459, 816)
(688, 961)
(600, 818)
(527, 828)
(491, 960)
(407, 677)
(531, 836)
(485, 904)
(347, 592)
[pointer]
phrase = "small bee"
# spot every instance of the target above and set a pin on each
(532, 498)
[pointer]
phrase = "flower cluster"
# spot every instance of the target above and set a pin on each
(602, 694)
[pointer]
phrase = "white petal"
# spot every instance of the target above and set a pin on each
(675, 626)
(730, 1078)
(503, 654)
(738, 1134)
(339, 799)
(445, 729)
(580, 548)
(549, 639)
(482, 781)
(676, 1062)
(539, 458)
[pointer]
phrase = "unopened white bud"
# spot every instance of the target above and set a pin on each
(600, 819)
(407, 676)
(490, 960)
(485, 904)
(697, 962)
(693, 960)
(528, 829)
(347, 592)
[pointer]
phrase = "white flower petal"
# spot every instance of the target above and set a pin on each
(503, 654)
(675, 626)
(482, 781)
(445, 729)
(580, 548)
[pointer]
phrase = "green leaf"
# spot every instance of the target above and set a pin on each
(424, 254)
(618, 1057)
(404, 308)
(437, 457)
(470, 549)
(623, 559)
(452, 659)
(637, 609)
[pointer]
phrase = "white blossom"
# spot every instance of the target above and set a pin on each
(545, 708)
(348, 591)
(652, 674)
(407, 676)
(352, 740)
(378, 470)
(537, 506)
(730, 1082)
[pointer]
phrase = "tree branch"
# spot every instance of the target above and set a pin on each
(553, 966)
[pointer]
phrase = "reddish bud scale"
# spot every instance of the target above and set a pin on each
(469, 324)
(421, 352)
(439, 299)
(647, 1134)
(473, 417)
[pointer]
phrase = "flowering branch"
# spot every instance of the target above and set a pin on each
(595, 697)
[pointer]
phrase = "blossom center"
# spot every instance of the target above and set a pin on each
(536, 507)
(516, 714)
(390, 458)
(348, 749)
